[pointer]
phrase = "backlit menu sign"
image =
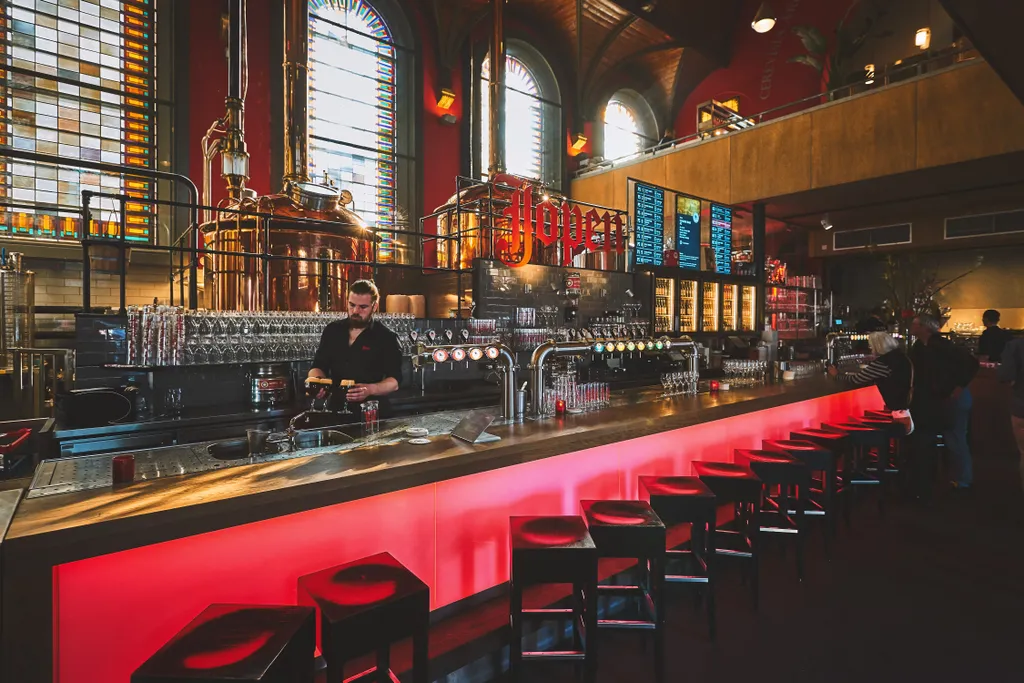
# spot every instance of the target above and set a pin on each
(721, 238)
(688, 232)
(649, 221)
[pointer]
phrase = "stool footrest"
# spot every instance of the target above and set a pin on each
(548, 611)
(370, 675)
(683, 578)
(733, 553)
(601, 588)
(627, 624)
(564, 655)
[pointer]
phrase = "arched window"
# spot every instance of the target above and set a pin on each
(621, 131)
(629, 125)
(532, 115)
(354, 115)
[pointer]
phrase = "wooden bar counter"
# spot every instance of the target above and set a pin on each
(94, 582)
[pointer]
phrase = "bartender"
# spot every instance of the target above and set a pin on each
(359, 349)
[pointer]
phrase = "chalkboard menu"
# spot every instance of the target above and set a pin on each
(688, 232)
(721, 238)
(649, 221)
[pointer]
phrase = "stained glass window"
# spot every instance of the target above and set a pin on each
(352, 108)
(622, 134)
(76, 80)
(524, 120)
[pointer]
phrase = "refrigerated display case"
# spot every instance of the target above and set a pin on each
(664, 304)
(687, 305)
(709, 307)
(797, 312)
(730, 308)
(748, 309)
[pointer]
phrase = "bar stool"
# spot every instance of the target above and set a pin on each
(839, 444)
(896, 432)
(820, 502)
(554, 550)
(786, 472)
(863, 438)
(687, 500)
(364, 606)
(237, 643)
(631, 529)
(736, 484)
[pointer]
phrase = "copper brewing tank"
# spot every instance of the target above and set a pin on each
(285, 225)
(239, 282)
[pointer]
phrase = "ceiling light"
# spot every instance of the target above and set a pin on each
(825, 222)
(446, 100)
(649, 6)
(923, 38)
(869, 74)
(764, 20)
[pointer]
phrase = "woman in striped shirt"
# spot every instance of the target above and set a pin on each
(891, 371)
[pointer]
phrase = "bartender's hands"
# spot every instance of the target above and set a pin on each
(359, 392)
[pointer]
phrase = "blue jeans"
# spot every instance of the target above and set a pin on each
(954, 433)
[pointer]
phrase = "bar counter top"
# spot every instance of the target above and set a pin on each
(88, 523)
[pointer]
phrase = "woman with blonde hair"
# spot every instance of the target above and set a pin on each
(891, 371)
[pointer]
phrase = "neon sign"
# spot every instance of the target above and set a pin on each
(575, 226)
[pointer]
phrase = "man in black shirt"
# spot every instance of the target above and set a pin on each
(942, 402)
(993, 339)
(359, 349)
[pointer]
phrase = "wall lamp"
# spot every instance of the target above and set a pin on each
(446, 100)
(764, 20)
(923, 38)
(579, 141)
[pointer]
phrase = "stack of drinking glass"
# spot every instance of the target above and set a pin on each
(578, 397)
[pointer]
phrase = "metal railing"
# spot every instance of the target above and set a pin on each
(905, 70)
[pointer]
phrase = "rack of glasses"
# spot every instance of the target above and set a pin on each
(168, 336)
(745, 373)
(796, 312)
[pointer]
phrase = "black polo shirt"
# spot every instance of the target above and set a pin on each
(375, 354)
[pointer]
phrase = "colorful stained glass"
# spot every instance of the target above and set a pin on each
(352, 110)
(76, 80)
(622, 135)
(524, 120)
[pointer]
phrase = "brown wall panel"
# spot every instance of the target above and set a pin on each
(867, 136)
(966, 114)
(703, 170)
(772, 160)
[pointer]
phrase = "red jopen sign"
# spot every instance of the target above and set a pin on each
(575, 225)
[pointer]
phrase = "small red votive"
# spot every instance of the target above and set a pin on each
(560, 406)
(123, 469)
(714, 386)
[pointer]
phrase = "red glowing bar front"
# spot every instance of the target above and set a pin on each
(113, 611)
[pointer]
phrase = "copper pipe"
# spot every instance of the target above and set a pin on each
(233, 153)
(496, 114)
(296, 91)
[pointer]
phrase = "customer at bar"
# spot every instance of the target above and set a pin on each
(1012, 371)
(891, 371)
(359, 349)
(942, 402)
(993, 339)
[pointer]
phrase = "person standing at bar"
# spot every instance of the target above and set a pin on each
(891, 372)
(942, 402)
(1012, 371)
(993, 339)
(360, 349)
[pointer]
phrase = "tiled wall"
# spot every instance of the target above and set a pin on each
(59, 283)
(498, 290)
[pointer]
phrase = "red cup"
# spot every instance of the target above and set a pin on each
(560, 406)
(123, 468)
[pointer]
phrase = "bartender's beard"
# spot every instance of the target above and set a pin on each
(359, 323)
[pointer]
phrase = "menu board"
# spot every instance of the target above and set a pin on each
(688, 232)
(649, 222)
(721, 238)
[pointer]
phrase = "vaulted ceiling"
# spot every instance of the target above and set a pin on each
(661, 48)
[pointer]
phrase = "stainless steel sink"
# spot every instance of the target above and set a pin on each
(315, 438)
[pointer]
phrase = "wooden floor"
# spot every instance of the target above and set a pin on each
(929, 593)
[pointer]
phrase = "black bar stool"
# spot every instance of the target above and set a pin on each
(631, 529)
(891, 458)
(863, 438)
(820, 502)
(687, 500)
(237, 643)
(364, 606)
(838, 443)
(781, 515)
(736, 484)
(555, 550)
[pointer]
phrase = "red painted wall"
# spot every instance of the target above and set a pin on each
(759, 71)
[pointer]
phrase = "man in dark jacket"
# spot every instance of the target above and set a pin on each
(942, 402)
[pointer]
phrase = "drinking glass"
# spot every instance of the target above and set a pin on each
(173, 403)
(370, 409)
